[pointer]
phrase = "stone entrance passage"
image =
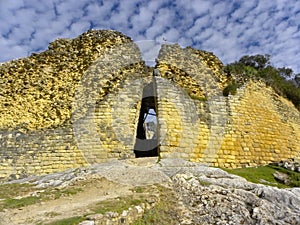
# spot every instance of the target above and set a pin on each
(146, 144)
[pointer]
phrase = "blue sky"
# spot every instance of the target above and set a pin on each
(228, 28)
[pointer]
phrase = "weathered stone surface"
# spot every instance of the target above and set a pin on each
(37, 92)
(282, 177)
(231, 200)
(215, 197)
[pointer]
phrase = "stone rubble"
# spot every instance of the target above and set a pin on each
(214, 204)
(290, 165)
(282, 177)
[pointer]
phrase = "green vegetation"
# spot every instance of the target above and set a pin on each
(195, 97)
(160, 214)
(20, 195)
(13, 190)
(139, 189)
(70, 221)
(55, 194)
(230, 89)
(117, 205)
(282, 80)
(9, 192)
(264, 175)
(203, 183)
(18, 203)
(164, 212)
(294, 176)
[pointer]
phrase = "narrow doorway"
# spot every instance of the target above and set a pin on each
(146, 144)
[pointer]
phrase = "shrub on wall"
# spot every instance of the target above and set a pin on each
(230, 89)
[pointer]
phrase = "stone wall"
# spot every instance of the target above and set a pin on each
(78, 103)
(256, 126)
(38, 152)
(107, 102)
(202, 111)
(75, 104)
(262, 127)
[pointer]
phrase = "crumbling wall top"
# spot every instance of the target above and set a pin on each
(37, 91)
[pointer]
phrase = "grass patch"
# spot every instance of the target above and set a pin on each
(56, 194)
(13, 190)
(118, 204)
(10, 192)
(203, 183)
(260, 173)
(294, 176)
(161, 214)
(69, 221)
(18, 203)
(139, 189)
(164, 212)
(11, 195)
(111, 205)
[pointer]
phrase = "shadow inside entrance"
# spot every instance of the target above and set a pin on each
(146, 144)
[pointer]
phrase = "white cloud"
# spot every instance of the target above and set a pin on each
(228, 28)
(97, 12)
(11, 5)
(200, 23)
(162, 22)
(150, 50)
(194, 7)
(170, 35)
(77, 28)
(221, 9)
(143, 19)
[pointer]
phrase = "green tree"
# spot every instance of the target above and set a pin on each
(297, 80)
(259, 66)
(256, 61)
(285, 72)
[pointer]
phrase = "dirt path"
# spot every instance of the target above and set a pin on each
(94, 190)
(108, 181)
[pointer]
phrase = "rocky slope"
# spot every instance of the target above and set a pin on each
(203, 195)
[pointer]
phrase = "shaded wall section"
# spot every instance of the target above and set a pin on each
(38, 152)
